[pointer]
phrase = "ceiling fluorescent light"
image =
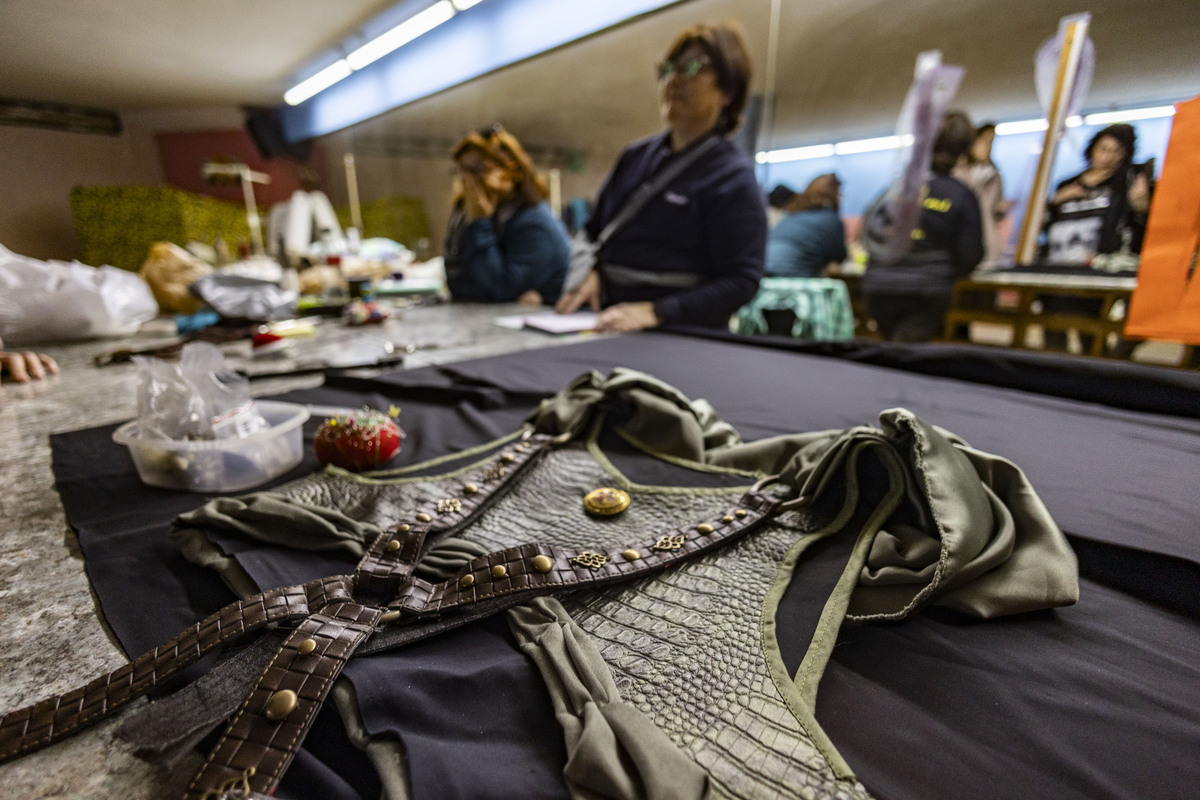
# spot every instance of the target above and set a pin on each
(463, 5)
(1129, 115)
(795, 154)
(402, 34)
(1023, 126)
(867, 145)
(317, 83)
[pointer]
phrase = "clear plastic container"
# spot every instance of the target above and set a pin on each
(222, 465)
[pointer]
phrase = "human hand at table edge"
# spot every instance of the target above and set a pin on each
(26, 366)
(587, 293)
(627, 317)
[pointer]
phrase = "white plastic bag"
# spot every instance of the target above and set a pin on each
(44, 301)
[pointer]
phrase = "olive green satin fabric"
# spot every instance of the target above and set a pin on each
(613, 750)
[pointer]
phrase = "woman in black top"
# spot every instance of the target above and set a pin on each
(908, 295)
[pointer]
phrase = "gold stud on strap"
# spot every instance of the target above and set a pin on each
(507, 458)
(741, 512)
(389, 617)
(606, 501)
(281, 704)
(403, 527)
(423, 517)
(543, 563)
(467, 580)
(705, 528)
(470, 488)
(631, 554)
(306, 647)
(393, 545)
(727, 518)
(499, 571)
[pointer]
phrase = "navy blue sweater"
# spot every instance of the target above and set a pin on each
(530, 252)
(710, 221)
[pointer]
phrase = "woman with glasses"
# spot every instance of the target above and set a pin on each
(693, 254)
(503, 243)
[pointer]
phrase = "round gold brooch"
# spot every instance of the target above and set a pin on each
(605, 502)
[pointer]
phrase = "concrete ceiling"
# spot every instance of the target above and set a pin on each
(842, 70)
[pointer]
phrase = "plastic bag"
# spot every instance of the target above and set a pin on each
(239, 297)
(170, 270)
(197, 398)
(43, 301)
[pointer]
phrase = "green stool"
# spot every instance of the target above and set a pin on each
(812, 309)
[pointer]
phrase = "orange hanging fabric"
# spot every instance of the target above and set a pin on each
(1166, 302)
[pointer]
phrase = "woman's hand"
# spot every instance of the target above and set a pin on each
(1139, 194)
(1072, 191)
(627, 317)
(587, 293)
(530, 298)
(478, 202)
(23, 367)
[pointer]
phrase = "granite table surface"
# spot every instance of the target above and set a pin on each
(51, 637)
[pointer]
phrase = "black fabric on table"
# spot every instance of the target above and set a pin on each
(1097, 700)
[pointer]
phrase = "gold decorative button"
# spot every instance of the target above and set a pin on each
(467, 580)
(741, 512)
(306, 647)
(403, 527)
(281, 704)
(507, 458)
(605, 502)
(389, 617)
(543, 563)
(449, 505)
(590, 560)
(470, 488)
(727, 518)
(704, 527)
(631, 554)
(393, 545)
(669, 542)
(499, 571)
(423, 517)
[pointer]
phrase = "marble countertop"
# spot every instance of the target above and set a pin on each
(50, 634)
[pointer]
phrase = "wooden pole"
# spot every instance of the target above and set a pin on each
(1072, 34)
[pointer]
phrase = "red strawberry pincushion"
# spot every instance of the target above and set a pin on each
(360, 441)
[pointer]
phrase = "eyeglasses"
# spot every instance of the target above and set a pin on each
(686, 70)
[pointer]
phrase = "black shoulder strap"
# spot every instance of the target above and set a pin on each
(649, 189)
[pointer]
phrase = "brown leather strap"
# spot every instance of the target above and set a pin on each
(538, 569)
(50, 720)
(394, 554)
(277, 714)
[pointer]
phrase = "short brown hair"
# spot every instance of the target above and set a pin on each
(503, 148)
(724, 43)
(953, 139)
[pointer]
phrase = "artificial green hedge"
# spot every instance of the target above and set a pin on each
(117, 224)
(399, 218)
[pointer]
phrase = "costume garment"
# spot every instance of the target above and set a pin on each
(804, 242)
(660, 650)
(496, 259)
(909, 295)
(1100, 222)
(701, 240)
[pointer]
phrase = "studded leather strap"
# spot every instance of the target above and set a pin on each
(278, 712)
(55, 718)
(393, 555)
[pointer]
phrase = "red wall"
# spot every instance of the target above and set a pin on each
(183, 156)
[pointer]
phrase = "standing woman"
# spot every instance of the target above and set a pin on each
(978, 171)
(908, 295)
(694, 252)
(503, 242)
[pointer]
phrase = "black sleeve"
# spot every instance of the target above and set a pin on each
(966, 246)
